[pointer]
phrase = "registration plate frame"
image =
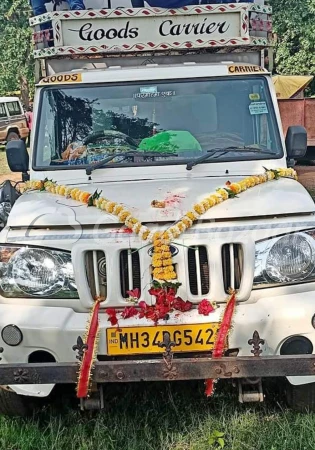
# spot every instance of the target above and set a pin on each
(190, 338)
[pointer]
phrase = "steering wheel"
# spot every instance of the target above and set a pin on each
(110, 134)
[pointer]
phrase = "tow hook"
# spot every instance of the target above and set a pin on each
(250, 389)
(95, 401)
(169, 372)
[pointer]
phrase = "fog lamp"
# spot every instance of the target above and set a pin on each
(297, 345)
(12, 335)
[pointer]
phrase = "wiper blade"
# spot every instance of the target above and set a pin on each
(91, 167)
(224, 150)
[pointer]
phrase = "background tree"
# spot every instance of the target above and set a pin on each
(294, 24)
(16, 62)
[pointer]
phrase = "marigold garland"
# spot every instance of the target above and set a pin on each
(162, 264)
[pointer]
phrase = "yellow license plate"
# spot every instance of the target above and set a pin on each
(145, 340)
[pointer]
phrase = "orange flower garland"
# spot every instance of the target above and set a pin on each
(162, 264)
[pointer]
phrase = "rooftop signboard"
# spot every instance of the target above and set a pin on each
(123, 30)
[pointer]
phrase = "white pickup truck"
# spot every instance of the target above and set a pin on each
(143, 114)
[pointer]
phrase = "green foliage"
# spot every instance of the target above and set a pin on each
(294, 24)
(16, 62)
(162, 416)
(216, 439)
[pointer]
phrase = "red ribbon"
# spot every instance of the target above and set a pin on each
(220, 341)
(88, 357)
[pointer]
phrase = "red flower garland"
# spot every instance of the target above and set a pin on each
(205, 307)
(166, 301)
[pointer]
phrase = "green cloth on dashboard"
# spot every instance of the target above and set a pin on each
(171, 142)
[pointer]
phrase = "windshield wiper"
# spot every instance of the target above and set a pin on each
(91, 167)
(224, 150)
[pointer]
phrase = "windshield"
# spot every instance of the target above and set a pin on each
(157, 123)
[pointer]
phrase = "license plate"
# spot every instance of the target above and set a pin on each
(144, 340)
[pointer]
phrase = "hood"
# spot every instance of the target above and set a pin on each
(40, 209)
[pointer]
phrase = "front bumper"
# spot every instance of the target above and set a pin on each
(159, 369)
(56, 329)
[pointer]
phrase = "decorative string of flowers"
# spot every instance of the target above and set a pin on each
(162, 264)
(166, 302)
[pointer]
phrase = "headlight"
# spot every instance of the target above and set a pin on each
(36, 272)
(285, 260)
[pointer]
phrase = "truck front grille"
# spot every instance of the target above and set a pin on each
(198, 270)
(232, 266)
(130, 277)
(95, 263)
(111, 274)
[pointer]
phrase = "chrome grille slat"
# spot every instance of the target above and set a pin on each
(95, 271)
(95, 264)
(198, 270)
(232, 266)
(197, 256)
(130, 277)
(232, 271)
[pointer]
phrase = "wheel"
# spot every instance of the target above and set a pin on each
(301, 398)
(109, 135)
(12, 136)
(12, 404)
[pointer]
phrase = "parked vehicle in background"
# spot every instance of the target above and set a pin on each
(13, 123)
(295, 109)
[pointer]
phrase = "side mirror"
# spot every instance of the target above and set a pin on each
(296, 142)
(17, 156)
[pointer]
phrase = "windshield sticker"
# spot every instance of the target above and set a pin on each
(69, 78)
(254, 97)
(240, 70)
(148, 90)
(258, 108)
(152, 94)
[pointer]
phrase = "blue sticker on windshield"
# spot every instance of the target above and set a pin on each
(258, 108)
(151, 92)
(148, 90)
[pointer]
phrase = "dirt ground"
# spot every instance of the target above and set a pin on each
(11, 177)
(306, 176)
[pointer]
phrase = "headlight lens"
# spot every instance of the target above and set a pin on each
(36, 272)
(286, 259)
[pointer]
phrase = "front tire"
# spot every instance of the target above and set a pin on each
(301, 398)
(14, 405)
